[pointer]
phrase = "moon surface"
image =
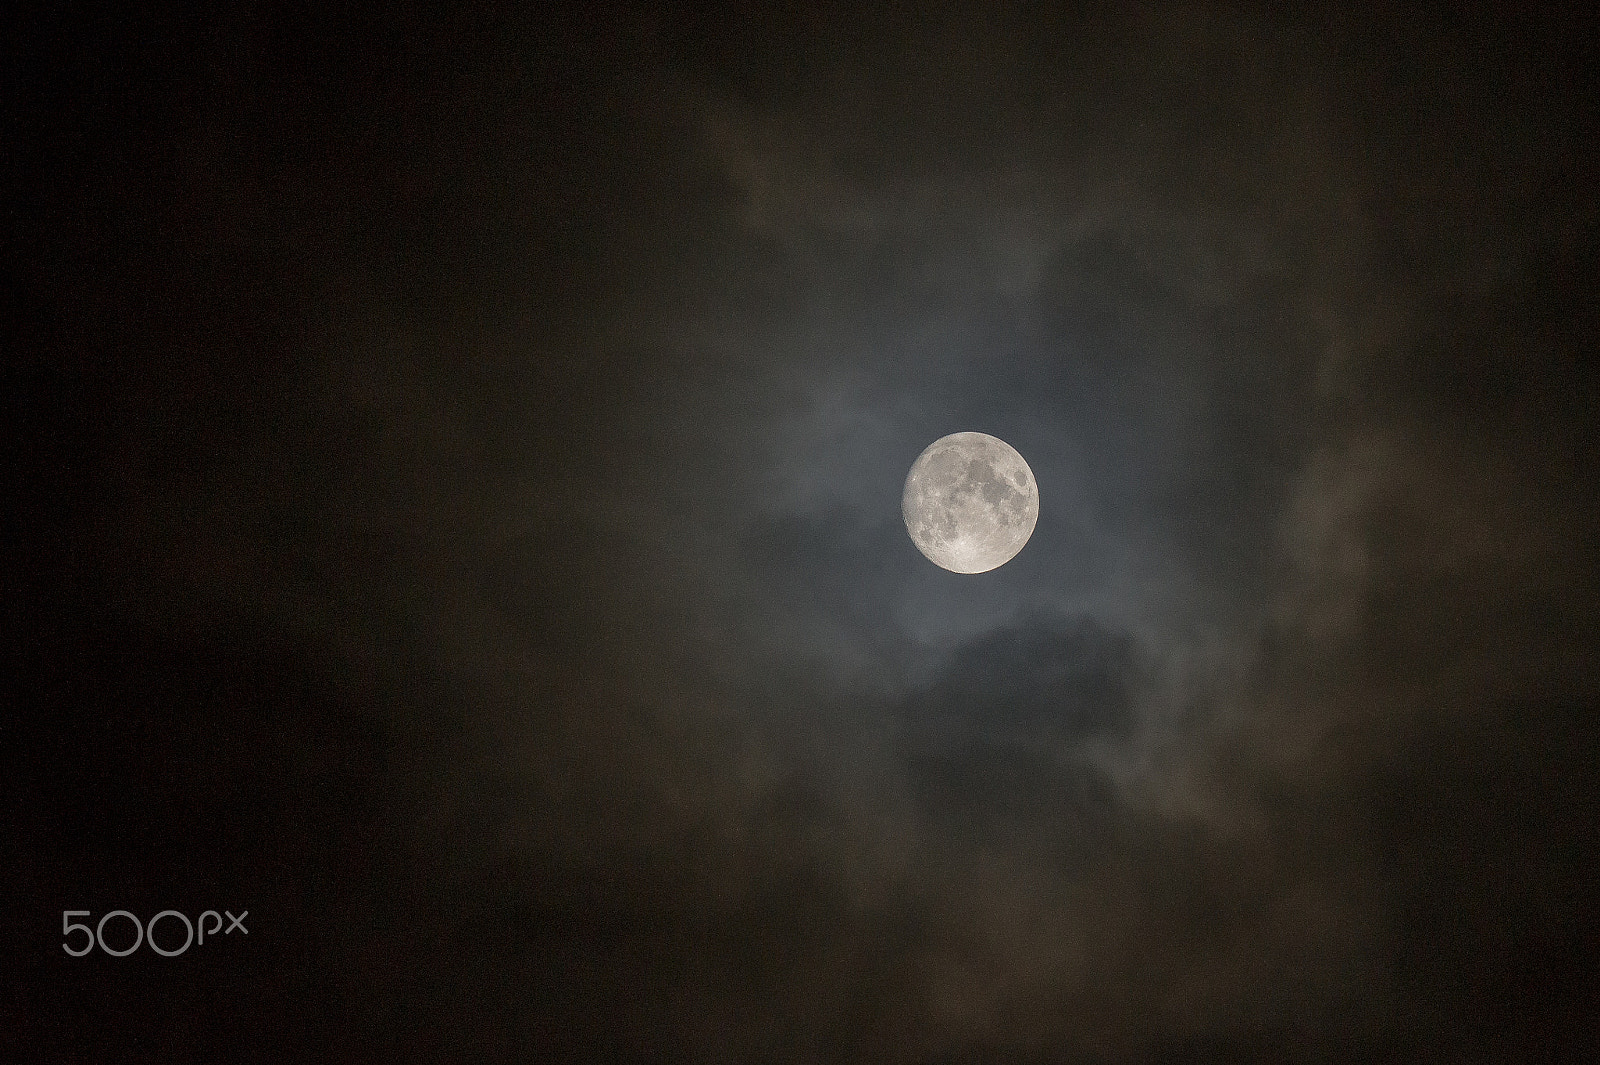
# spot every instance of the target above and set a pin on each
(970, 502)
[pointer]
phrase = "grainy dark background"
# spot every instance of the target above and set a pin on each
(458, 523)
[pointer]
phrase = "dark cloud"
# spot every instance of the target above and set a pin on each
(1044, 681)
(1000, 742)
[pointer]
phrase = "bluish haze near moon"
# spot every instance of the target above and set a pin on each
(970, 502)
(465, 460)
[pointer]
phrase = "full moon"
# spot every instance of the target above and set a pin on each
(970, 502)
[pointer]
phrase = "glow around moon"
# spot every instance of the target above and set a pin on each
(970, 502)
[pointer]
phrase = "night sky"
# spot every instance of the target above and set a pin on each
(459, 523)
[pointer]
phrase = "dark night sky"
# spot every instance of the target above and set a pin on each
(459, 523)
